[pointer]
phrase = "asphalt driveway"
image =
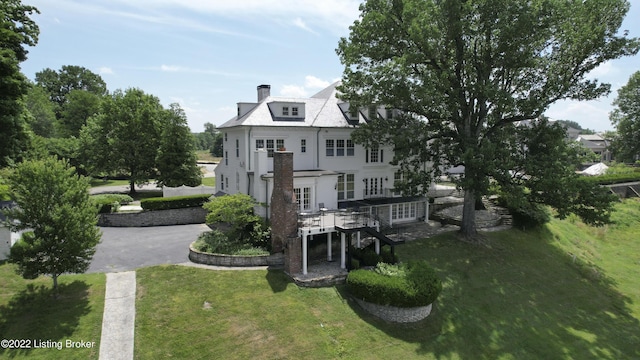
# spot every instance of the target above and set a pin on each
(124, 249)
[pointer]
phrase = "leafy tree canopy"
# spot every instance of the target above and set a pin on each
(176, 159)
(17, 31)
(71, 77)
(54, 208)
(626, 118)
(124, 137)
(464, 73)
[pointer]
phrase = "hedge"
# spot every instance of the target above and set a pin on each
(174, 202)
(611, 179)
(417, 285)
(108, 203)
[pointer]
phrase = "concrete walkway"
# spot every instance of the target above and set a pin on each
(119, 316)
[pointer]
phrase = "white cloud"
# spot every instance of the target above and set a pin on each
(294, 91)
(313, 82)
(589, 114)
(171, 68)
(105, 70)
(302, 25)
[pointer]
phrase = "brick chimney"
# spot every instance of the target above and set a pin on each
(284, 217)
(263, 92)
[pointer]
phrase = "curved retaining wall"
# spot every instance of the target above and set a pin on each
(194, 215)
(396, 314)
(235, 260)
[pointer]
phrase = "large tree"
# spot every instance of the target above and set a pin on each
(70, 77)
(125, 136)
(42, 112)
(177, 160)
(626, 118)
(80, 105)
(464, 72)
(17, 31)
(55, 209)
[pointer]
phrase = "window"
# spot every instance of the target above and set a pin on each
(340, 147)
(237, 148)
(372, 112)
(303, 198)
(346, 185)
(222, 182)
(285, 111)
(373, 187)
(353, 112)
(374, 155)
(303, 145)
(272, 145)
(397, 178)
(330, 147)
(226, 158)
(294, 111)
(403, 211)
(225, 136)
(350, 151)
(237, 182)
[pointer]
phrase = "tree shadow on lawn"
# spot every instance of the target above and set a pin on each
(277, 279)
(35, 314)
(521, 298)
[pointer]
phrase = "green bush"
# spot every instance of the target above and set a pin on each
(410, 285)
(530, 215)
(369, 257)
(217, 242)
(387, 256)
(108, 203)
(174, 202)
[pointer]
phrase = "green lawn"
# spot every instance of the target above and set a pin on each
(523, 296)
(566, 291)
(29, 311)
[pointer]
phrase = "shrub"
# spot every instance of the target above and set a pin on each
(217, 242)
(387, 256)
(410, 285)
(369, 257)
(530, 215)
(108, 203)
(174, 202)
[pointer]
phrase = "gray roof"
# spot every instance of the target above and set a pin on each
(5, 205)
(321, 110)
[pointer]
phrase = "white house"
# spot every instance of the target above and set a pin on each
(7, 238)
(330, 170)
(596, 143)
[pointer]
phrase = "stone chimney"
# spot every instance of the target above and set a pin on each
(284, 217)
(263, 92)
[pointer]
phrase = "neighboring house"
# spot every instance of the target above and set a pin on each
(330, 170)
(5, 233)
(598, 144)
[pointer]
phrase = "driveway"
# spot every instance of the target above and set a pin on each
(124, 249)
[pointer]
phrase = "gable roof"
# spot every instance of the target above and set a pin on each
(321, 110)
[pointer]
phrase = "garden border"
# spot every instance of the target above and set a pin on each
(234, 260)
(396, 314)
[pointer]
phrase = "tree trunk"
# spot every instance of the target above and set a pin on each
(132, 186)
(468, 227)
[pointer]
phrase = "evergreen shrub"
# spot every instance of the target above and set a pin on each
(174, 202)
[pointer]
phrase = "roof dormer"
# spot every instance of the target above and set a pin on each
(287, 111)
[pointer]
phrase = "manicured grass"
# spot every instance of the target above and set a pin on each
(29, 311)
(209, 181)
(95, 182)
(523, 296)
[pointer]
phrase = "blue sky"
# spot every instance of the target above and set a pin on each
(207, 55)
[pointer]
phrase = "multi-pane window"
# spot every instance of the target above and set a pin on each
(221, 182)
(237, 148)
(294, 111)
(226, 158)
(303, 145)
(272, 145)
(303, 198)
(330, 145)
(346, 185)
(285, 111)
(373, 187)
(397, 178)
(339, 147)
(374, 155)
(403, 211)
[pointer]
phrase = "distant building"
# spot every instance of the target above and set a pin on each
(598, 144)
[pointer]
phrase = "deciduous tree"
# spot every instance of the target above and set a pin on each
(464, 72)
(55, 209)
(177, 160)
(70, 77)
(17, 31)
(626, 118)
(124, 138)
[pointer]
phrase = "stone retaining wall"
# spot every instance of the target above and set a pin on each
(235, 260)
(194, 215)
(396, 314)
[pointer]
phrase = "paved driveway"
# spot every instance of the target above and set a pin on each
(124, 249)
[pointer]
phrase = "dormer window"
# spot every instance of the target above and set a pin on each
(285, 111)
(294, 111)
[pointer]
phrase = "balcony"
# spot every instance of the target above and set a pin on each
(328, 220)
